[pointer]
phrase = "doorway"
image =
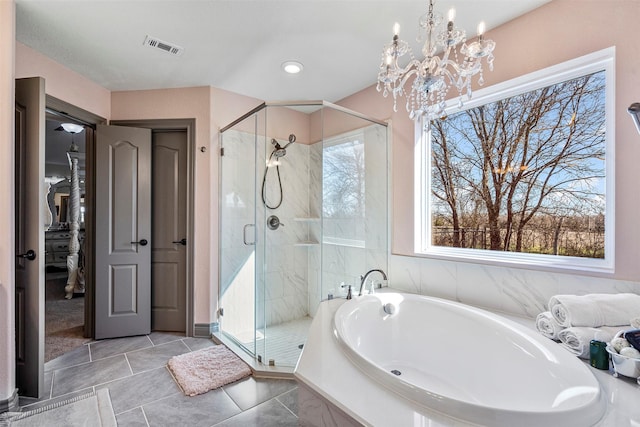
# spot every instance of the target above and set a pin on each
(64, 182)
(172, 143)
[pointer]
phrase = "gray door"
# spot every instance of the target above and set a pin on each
(29, 235)
(169, 242)
(123, 232)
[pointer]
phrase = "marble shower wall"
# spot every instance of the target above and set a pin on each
(510, 290)
(280, 260)
(287, 248)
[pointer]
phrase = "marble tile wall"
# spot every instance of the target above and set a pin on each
(286, 256)
(515, 291)
(281, 287)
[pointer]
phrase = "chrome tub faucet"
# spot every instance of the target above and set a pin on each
(363, 279)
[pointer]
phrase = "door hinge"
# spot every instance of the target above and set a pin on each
(221, 311)
(221, 151)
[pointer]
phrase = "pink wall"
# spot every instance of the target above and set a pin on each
(63, 83)
(7, 258)
(556, 32)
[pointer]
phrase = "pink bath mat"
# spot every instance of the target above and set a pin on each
(207, 369)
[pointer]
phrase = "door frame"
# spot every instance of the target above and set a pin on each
(188, 125)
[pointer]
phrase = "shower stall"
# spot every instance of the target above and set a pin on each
(303, 214)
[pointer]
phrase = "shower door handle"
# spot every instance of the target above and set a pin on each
(244, 234)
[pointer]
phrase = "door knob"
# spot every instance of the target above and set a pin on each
(30, 255)
(182, 242)
(142, 242)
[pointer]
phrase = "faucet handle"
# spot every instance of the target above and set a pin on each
(349, 287)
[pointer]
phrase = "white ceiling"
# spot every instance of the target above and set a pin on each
(237, 45)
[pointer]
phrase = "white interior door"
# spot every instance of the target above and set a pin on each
(123, 232)
(29, 235)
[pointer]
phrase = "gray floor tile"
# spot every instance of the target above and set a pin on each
(132, 418)
(290, 400)
(74, 357)
(198, 411)
(198, 343)
(158, 338)
(155, 357)
(253, 391)
(111, 347)
(269, 414)
(140, 389)
(66, 380)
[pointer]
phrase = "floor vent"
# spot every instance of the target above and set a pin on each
(156, 43)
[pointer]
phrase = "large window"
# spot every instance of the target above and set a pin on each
(523, 173)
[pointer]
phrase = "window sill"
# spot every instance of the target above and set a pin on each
(521, 260)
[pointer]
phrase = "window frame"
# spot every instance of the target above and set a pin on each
(603, 60)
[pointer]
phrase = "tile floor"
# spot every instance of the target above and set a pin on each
(143, 392)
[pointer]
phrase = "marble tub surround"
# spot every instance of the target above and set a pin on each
(325, 370)
(512, 290)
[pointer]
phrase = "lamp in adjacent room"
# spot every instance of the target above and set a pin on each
(71, 128)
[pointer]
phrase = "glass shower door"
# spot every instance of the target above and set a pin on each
(238, 235)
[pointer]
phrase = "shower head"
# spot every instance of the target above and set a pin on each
(279, 151)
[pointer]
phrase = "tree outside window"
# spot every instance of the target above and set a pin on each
(523, 174)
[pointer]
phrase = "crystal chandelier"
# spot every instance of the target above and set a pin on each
(435, 74)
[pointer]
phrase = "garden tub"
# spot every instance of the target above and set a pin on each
(466, 363)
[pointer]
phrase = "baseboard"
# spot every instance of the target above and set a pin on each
(204, 330)
(10, 404)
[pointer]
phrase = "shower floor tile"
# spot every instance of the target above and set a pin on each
(282, 342)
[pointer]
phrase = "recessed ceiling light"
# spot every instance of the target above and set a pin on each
(292, 67)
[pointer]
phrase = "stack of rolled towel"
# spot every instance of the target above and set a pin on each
(576, 320)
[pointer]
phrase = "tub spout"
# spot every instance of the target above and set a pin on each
(363, 279)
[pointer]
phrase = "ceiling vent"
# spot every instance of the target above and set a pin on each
(156, 43)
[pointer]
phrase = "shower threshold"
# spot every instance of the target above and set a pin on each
(283, 343)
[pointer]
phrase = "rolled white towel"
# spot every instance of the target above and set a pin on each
(635, 323)
(578, 338)
(547, 325)
(595, 310)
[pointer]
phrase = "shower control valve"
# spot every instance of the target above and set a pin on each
(273, 222)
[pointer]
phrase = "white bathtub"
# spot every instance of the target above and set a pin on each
(467, 363)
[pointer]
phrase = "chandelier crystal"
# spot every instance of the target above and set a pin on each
(434, 76)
